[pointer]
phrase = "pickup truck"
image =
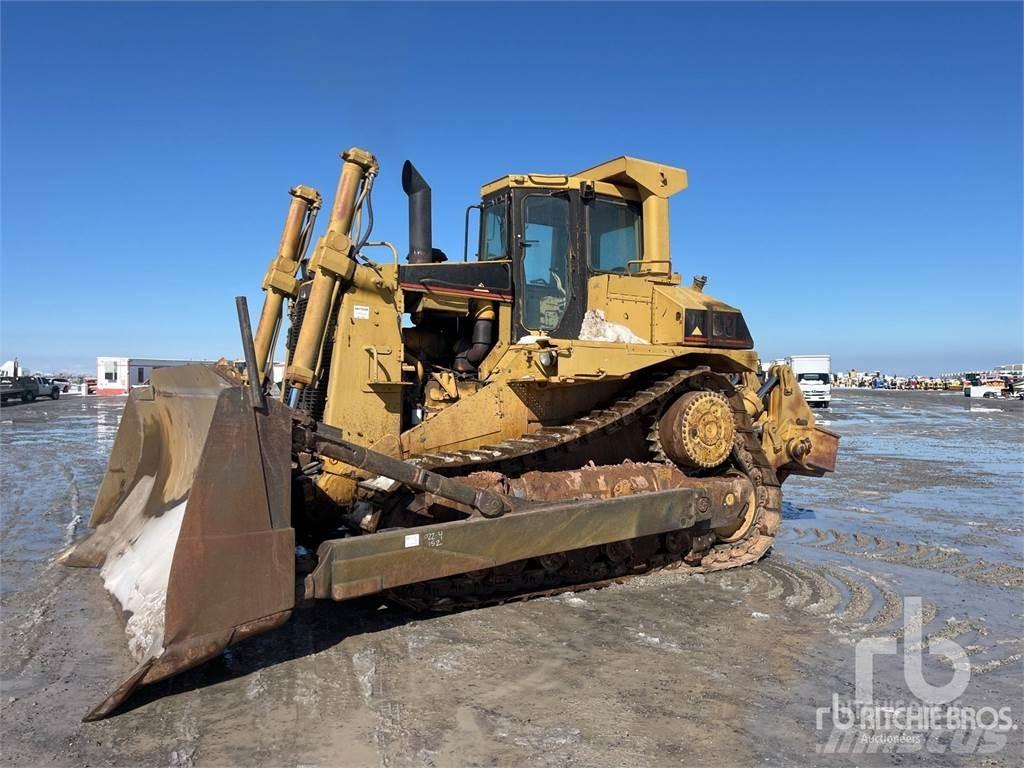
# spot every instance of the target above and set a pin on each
(27, 388)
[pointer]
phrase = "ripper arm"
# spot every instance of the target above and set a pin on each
(791, 440)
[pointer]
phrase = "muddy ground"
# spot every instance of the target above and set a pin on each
(727, 669)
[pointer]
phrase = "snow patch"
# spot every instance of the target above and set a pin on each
(71, 529)
(137, 575)
(655, 642)
(597, 328)
(256, 687)
(365, 667)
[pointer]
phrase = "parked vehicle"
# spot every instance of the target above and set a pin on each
(988, 388)
(64, 384)
(814, 375)
(27, 388)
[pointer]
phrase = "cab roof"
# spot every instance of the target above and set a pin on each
(627, 177)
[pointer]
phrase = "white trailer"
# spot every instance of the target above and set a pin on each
(814, 375)
(117, 375)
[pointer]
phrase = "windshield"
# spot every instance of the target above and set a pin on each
(820, 378)
(493, 232)
(614, 235)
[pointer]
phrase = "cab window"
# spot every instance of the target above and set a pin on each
(494, 232)
(615, 237)
(545, 265)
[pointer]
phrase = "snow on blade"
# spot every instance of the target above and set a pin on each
(138, 574)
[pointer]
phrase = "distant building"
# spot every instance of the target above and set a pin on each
(117, 375)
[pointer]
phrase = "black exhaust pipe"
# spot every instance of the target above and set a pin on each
(420, 245)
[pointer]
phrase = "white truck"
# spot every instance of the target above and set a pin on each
(27, 388)
(814, 375)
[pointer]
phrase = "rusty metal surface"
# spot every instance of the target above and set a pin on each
(228, 546)
(820, 459)
(697, 430)
(824, 450)
(695, 550)
(333, 446)
(367, 564)
(155, 456)
(274, 426)
(628, 479)
(232, 569)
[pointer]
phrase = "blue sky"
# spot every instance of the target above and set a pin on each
(855, 170)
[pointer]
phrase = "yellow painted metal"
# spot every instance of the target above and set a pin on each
(520, 394)
(738, 529)
(279, 282)
(651, 306)
(194, 440)
(551, 182)
(790, 437)
(365, 397)
(651, 178)
(625, 177)
(583, 361)
(519, 387)
(366, 365)
(655, 183)
(331, 262)
(503, 339)
(493, 414)
(698, 429)
(443, 302)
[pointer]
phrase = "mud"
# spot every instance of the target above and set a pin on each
(723, 669)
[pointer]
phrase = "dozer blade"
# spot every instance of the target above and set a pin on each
(193, 522)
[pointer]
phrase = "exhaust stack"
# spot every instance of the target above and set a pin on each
(415, 186)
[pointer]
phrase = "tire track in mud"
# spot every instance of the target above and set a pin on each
(29, 634)
(971, 633)
(860, 604)
(920, 555)
(393, 741)
(186, 739)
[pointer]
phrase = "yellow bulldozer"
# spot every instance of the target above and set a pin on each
(559, 412)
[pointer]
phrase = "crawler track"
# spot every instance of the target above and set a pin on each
(597, 567)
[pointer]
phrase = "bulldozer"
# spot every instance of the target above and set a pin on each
(559, 412)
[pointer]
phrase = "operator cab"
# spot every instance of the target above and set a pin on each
(542, 238)
(550, 248)
(556, 240)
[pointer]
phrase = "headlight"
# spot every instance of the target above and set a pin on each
(548, 358)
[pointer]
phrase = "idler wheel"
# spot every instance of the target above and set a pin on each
(697, 430)
(742, 525)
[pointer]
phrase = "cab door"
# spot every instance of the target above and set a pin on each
(550, 284)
